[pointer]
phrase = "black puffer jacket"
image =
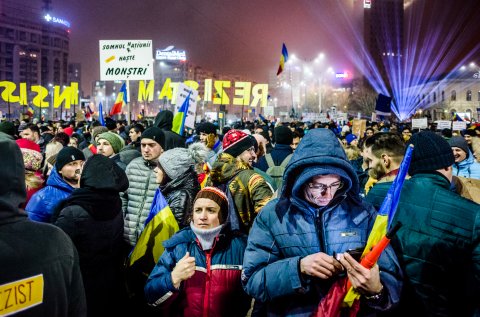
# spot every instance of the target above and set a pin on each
(92, 217)
(180, 193)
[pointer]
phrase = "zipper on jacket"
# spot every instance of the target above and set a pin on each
(206, 297)
(136, 232)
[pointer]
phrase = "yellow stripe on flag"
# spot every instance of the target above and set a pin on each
(160, 228)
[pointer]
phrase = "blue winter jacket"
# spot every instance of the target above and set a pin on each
(467, 168)
(289, 228)
(42, 204)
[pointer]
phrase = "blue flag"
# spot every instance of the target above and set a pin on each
(100, 114)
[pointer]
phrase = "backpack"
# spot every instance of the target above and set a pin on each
(276, 172)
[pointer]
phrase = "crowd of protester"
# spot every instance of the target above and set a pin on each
(264, 218)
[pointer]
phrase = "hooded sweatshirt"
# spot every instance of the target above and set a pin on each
(34, 256)
(164, 121)
(92, 217)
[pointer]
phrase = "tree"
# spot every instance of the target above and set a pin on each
(363, 98)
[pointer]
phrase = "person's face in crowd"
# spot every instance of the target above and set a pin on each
(368, 133)
(160, 175)
(295, 143)
(134, 135)
(73, 143)
(206, 214)
(105, 148)
(354, 143)
(71, 172)
(258, 130)
(468, 138)
(151, 150)
(29, 135)
(203, 137)
(377, 168)
(344, 142)
(459, 154)
(321, 189)
(248, 156)
(406, 134)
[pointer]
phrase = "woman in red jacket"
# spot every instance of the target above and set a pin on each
(199, 272)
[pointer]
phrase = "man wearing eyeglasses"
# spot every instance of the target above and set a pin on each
(233, 172)
(290, 261)
(137, 200)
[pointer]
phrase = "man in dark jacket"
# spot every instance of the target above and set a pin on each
(289, 263)
(438, 245)
(92, 217)
(40, 273)
(164, 121)
(283, 140)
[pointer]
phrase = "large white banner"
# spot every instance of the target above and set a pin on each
(125, 59)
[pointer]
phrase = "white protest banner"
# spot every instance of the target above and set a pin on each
(421, 123)
(443, 124)
(126, 60)
(459, 125)
(182, 92)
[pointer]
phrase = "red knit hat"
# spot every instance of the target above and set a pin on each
(32, 158)
(235, 142)
(69, 131)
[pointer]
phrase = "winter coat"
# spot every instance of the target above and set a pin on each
(164, 120)
(249, 190)
(438, 247)
(92, 217)
(36, 258)
(42, 204)
(289, 228)
(279, 153)
(215, 288)
(138, 198)
(468, 168)
(180, 194)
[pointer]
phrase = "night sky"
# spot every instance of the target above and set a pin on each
(245, 37)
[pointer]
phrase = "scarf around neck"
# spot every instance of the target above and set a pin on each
(206, 237)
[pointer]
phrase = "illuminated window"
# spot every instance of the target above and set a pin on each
(469, 95)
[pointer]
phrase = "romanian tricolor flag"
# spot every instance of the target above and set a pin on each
(30, 110)
(283, 59)
(160, 225)
(120, 102)
(88, 112)
(178, 124)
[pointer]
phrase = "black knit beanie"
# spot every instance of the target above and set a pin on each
(431, 153)
(283, 135)
(156, 134)
(207, 128)
(66, 155)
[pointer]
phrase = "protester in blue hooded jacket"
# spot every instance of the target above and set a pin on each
(60, 184)
(289, 263)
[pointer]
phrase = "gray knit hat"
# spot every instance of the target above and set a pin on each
(460, 142)
(177, 161)
(114, 139)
